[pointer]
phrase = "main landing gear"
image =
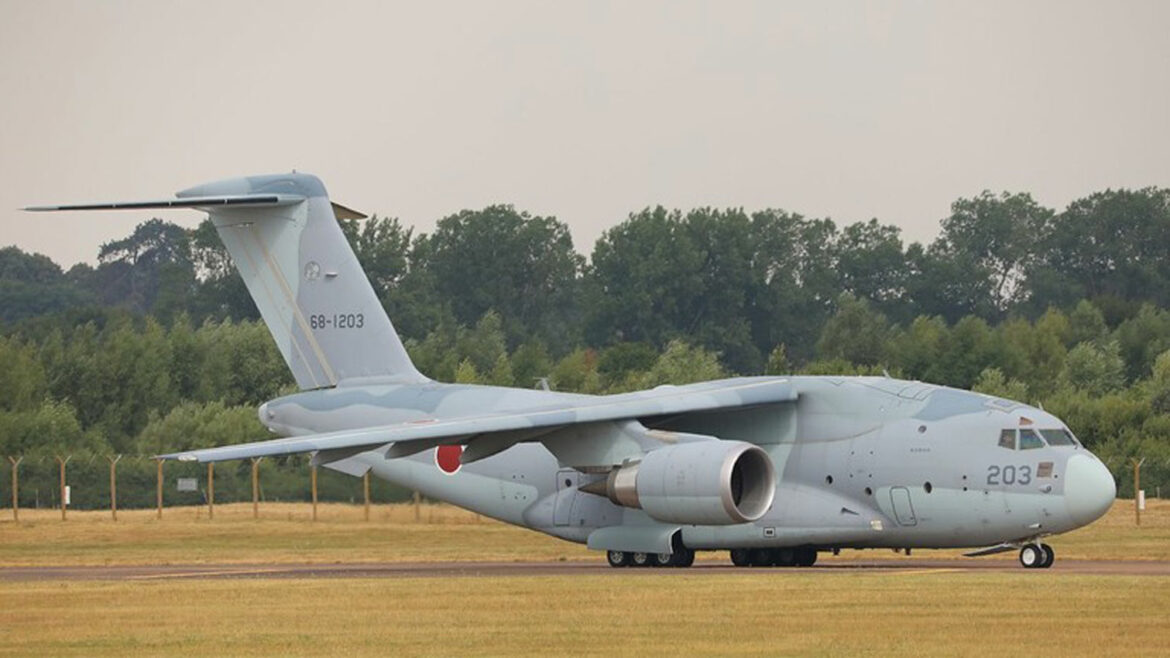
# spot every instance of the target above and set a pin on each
(1037, 556)
(683, 557)
(800, 556)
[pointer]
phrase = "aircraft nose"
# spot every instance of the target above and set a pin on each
(1089, 489)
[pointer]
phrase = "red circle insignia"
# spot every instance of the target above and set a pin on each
(447, 458)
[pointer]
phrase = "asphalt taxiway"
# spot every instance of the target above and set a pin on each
(513, 569)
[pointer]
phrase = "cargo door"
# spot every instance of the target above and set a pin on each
(903, 510)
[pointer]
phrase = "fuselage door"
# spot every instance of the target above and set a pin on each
(566, 492)
(903, 510)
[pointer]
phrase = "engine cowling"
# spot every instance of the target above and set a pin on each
(697, 483)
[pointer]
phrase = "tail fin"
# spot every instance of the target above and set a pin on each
(283, 236)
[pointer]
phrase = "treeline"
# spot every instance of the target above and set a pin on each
(159, 348)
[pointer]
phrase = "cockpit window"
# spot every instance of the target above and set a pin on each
(1061, 437)
(1029, 439)
(1007, 439)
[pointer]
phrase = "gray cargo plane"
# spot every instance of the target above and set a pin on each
(772, 469)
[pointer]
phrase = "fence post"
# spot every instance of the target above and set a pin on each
(416, 509)
(61, 463)
(15, 487)
(159, 489)
(366, 492)
(256, 487)
(1137, 485)
(313, 482)
(114, 484)
(210, 490)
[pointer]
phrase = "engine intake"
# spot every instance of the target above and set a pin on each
(698, 483)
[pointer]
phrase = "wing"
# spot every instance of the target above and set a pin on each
(515, 426)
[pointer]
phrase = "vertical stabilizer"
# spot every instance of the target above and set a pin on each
(306, 281)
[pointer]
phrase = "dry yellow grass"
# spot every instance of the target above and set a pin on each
(285, 534)
(916, 612)
(758, 612)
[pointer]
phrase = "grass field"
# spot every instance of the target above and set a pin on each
(760, 612)
(285, 534)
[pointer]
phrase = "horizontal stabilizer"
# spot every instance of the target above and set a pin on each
(188, 202)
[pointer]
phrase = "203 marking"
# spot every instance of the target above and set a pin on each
(1009, 474)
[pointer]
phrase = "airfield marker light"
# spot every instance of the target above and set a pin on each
(256, 487)
(366, 493)
(114, 484)
(159, 489)
(15, 487)
(61, 461)
(1137, 486)
(313, 481)
(210, 490)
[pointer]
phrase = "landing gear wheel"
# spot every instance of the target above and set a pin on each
(662, 559)
(806, 556)
(640, 559)
(1049, 556)
(684, 557)
(1032, 556)
(740, 557)
(784, 557)
(761, 557)
(617, 558)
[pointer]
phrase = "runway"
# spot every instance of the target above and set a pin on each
(516, 569)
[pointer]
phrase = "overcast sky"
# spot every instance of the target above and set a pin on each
(585, 111)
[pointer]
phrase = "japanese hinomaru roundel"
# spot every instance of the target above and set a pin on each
(773, 469)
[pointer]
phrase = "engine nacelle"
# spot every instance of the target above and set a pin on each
(697, 483)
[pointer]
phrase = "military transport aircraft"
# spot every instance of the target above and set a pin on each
(773, 469)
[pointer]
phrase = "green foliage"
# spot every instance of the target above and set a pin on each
(681, 363)
(993, 382)
(778, 361)
(1094, 368)
(192, 425)
(856, 333)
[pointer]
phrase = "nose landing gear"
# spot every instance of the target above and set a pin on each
(1037, 556)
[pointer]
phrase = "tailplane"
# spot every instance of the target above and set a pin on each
(283, 236)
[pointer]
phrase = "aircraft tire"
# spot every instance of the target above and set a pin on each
(1031, 556)
(740, 557)
(617, 558)
(662, 559)
(785, 557)
(761, 557)
(1049, 556)
(684, 557)
(806, 556)
(640, 559)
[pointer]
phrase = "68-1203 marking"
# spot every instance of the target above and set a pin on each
(337, 321)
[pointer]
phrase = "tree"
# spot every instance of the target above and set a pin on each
(856, 333)
(522, 266)
(1107, 247)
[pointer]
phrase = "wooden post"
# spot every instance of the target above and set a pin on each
(159, 489)
(256, 487)
(313, 481)
(416, 509)
(210, 490)
(114, 484)
(366, 492)
(1137, 485)
(61, 463)
(15, 487)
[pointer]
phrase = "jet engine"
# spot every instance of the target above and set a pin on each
(698, 483)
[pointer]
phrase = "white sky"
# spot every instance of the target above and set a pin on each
(585, 111)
